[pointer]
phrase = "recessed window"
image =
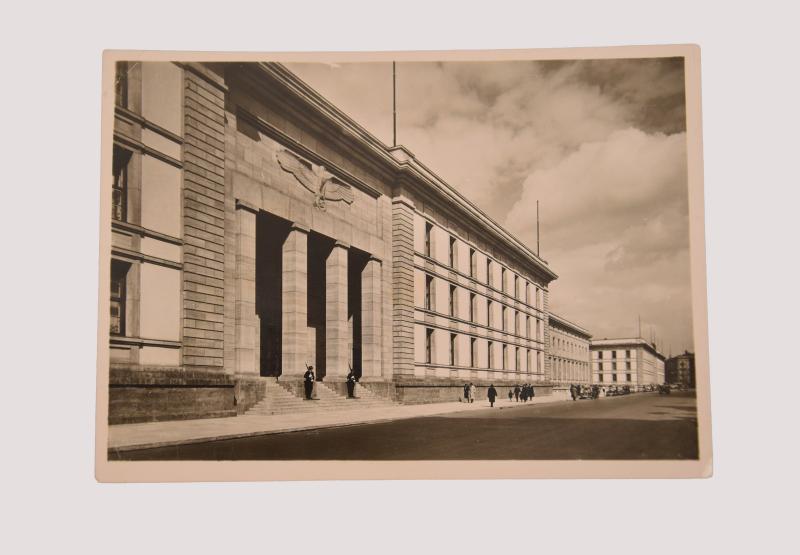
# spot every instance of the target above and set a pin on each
(600, 378)
(489, 311)
(473, 264)
(119, 274)
(613, 377)
(516, 287)
(453, 349)
(600, 355)
(613, 365)
(119, 187)
(428, 345)
(429, 292)
(505, 356)
(503, 316)
(453, 307)
(613, 354)
(627, 354)
(527, 293)
(473, 352)
(472, 302)
(428, 232)
(121, 85)
(517, 366)
(528, 363)
(627, 365)
(503, 280)
(489, 271)
(528, 327)
(490, 355)
(516, 322)
(451, 253)
(627, 377)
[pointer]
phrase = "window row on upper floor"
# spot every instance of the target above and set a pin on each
(453, 252)
(470, 307)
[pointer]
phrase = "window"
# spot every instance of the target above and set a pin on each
(503, 316)
(472, 307)
(121, 85)
(627, 365)
(600, 366)
(453, 306)
(119, 274)
(429, 292)
(473, 352)
(428, 344)
(489, 313)
(428, 231)
(627, 354)
(600, 378)
(473, 264)
(613, 365)
(505, 356)
(490, 356)
(528, 361)
(613, 377)
(517, 366)
(119, 187)
(451, 254)
(627, 377)
(503, 280)
(516, 287)
(538, 330)
(528, 327)
(613, 354)
(600, 355)
(516, 322)
(538, 298)
(488, 271)
(452, 349)
(527, 293)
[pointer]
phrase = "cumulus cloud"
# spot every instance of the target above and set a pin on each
(601, 145)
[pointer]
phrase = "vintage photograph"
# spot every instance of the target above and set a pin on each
(403, 257)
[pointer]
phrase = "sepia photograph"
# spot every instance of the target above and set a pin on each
(404, 258)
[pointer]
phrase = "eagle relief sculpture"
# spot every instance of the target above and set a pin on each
(316, 179)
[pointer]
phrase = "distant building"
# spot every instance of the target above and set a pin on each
(632, 362)
(569, 352)
(680, 370)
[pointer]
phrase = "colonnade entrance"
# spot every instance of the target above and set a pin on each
(315, 300)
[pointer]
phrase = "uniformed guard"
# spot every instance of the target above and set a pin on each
(308, 381)
(351, 385)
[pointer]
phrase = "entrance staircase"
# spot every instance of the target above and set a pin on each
(281, 399)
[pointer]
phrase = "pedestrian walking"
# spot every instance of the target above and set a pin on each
(573, 391)
(308, 381)
(516, 393)
(510, 394)
(472, 390)
(492, 394)
(466, 393)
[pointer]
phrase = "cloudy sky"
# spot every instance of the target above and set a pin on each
(601, 145)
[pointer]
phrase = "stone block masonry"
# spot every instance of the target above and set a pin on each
(203, 219)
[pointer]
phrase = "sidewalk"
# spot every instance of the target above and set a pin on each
(126, 437)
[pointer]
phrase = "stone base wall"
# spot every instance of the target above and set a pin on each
(248, 391)
(168, 394)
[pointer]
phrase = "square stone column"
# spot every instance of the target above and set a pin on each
(371, 330)
(247, 329)
(294, 310)
(338, 343)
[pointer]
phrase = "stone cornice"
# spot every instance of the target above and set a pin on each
(397, 161)
(564, 323)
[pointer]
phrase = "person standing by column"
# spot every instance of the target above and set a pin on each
(471, 392)
(466, 393)
(351, 385)
(516, 393)
(492, 394)
(308, 381)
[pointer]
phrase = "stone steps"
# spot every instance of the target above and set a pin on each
(281, 399)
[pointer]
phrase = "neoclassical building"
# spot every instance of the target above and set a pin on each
(257, 230)
(633, 362)
(570, 359)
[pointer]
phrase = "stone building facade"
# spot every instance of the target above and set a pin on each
(631, 362)
(256, 230)
(680, 370)
(569, 352)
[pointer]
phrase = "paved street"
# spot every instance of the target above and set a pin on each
(643, 426)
